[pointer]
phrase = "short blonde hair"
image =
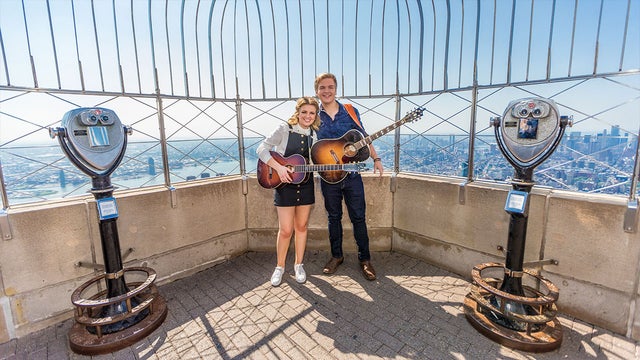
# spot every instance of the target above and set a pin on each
(323, 76)
(306, 100)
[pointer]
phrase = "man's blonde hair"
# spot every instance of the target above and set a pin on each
(323, 76)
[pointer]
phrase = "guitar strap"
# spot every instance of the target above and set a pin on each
(310, 143)
(353, 115)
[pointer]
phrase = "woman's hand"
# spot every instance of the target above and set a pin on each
(283, 173)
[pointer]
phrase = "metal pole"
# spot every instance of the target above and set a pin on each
(163, 141)
(512, 282)
(3, 189)
(243, 167)
(472, 130)
(474, 101)
(636, 170)
(396, 151)
(110, 241)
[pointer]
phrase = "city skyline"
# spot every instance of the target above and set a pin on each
(582, 163)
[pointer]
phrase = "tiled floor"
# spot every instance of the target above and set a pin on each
(413, 311)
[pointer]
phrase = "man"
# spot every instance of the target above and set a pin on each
(335, 122)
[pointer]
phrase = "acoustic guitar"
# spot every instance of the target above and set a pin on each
(268, 178)
(351, 147)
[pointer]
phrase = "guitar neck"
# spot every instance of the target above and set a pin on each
(369, 139)
(322, 167)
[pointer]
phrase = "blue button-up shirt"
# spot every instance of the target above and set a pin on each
(333, 129)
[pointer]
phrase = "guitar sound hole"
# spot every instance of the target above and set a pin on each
(350, 150)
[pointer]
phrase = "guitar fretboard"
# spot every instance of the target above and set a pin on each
(324, 167)
(369, 139)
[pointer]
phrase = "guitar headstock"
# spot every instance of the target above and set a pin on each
(413, 115)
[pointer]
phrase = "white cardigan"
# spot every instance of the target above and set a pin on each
(278, 140)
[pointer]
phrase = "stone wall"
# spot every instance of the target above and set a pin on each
(206, 222)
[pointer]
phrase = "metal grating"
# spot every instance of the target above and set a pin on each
(202, 81)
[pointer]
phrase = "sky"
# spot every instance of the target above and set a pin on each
(272, 50)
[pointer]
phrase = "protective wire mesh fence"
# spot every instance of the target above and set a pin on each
(202, 82)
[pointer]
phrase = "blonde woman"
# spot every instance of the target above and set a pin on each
(293, 201)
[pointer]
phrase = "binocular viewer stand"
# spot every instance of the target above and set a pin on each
(517, 315)
(123, 313)
(507, 311)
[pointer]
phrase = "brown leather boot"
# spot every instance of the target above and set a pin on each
(332, 265)
(367, 270)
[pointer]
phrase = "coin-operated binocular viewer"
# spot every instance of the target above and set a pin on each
(508, 312)
(95, 140)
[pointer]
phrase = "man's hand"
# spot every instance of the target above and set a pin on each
(377, 166)
(377, 162)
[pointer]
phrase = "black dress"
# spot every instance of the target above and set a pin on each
(296, 194)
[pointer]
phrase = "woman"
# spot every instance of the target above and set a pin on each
(293, 201)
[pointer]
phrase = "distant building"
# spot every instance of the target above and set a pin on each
(615, 130)
(152, 166)
(63, 180)
(465, 169)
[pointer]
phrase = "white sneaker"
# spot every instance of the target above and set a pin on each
(301, 276)
(276, 278)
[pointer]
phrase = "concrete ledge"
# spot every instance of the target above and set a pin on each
(318, 239)
(451, 257)
(598, 305)
(185, 261)
(586, 236)
(430, 207)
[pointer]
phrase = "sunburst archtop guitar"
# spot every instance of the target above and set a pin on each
(351, 147)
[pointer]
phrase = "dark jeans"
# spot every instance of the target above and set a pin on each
(352, 190)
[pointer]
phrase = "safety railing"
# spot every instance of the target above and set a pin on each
(202, 82)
